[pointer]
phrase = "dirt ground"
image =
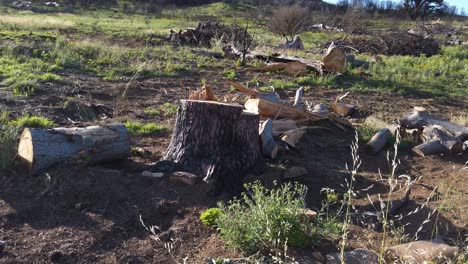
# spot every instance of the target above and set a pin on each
(96, 214)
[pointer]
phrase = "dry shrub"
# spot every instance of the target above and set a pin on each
(289, 20)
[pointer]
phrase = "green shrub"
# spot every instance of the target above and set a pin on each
(210, 216)
(137, 128)
(33, 122)
(264, 221)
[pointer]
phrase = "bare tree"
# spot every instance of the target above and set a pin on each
(289, 20)
(421, 8)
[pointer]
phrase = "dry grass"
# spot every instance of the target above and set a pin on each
(36, 21)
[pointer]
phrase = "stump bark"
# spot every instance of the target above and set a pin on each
(217, 141)
(40, 149)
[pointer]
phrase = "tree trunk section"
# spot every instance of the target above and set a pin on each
(216, 140)
(438, 140)
(43, 148)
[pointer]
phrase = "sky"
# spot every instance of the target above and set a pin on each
(459, 3)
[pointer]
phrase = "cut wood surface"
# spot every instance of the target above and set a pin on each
(292, 137)
(217, 141)
(205, 94)
(334, 60)
(379, 140)
(342, 109)
(298, 98)
(421, 118)
(275, 110)
(43, 148)
(438, 140)
(273, 97)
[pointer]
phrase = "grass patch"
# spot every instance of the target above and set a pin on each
(29, 121)
(8, 139)
(143, 129)
(167, 110)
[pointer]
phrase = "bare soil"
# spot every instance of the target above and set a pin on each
(95, 214)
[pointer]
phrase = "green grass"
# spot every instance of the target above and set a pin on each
(29, 121)
(8, 139)
(144, 129)
(167, 110)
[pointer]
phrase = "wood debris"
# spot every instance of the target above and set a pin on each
(204, 94)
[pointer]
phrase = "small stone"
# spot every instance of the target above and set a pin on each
(357, 256)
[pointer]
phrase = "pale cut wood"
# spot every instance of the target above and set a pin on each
(421, 118)
(40, 149)
(273, 97)
(438, 140)
(269, 146)
(271, 109)
(334, 60)
(203, 94)
(293, 136)
(342, 109)
(216, 141)
(298, 98)
(379, 140)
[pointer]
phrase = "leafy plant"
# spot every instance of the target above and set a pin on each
(210, 217)
(266, 220)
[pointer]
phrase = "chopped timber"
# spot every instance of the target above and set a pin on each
(293, 136)
(421, 118)
(271, 109)
(379, 140)
(321, 109)
(438, 140)
(273, 97)
(334, 60)
(203, 94)
(269, 146)
(40, 149)
(217, 141)
(342, 109)
(296, 43)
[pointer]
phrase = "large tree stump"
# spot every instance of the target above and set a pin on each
(43, 148)
(216, 140)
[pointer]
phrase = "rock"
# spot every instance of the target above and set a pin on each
(295, 172)
(2, 245)
(152, 174)
(357, 256)
(433, 251)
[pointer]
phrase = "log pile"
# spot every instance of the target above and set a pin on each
(437, 135)
(396, 42)
(206, 32)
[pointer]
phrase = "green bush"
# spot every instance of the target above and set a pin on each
(266, 220)
(210, 216)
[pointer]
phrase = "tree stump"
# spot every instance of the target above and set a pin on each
(217, 141)
(40, 149)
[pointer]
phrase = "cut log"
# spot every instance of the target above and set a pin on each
(273, 97)
(342, 109)
(295, 68)
(438, 140)
(321, 109)
(43, 148)
(334, 60)
(379, 140)
(217, 141)
(269, 146)
(293, 136)
(271, 109)
(421, 118)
